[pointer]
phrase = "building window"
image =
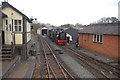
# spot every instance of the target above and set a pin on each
(6, 25)
(98, 38)
(17, 25)
(101, 38)
(94, 38)
(10, 27)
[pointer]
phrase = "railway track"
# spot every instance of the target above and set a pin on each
(53, 68)
(41, 67)
(104, 70)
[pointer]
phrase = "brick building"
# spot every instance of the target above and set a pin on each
(101, 38)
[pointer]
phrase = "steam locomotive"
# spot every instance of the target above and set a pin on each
(58, 36)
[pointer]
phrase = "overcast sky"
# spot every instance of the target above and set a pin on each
(59, 12)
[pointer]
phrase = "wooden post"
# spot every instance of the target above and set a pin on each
(13, 45)
(12, 50)
(24, 48)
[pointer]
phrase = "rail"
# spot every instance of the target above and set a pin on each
(60, 65)
(54, 67)
(48, 64)
(45, 65)
(99, 63)
(94, 65)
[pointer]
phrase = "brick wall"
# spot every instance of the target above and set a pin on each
(109, 47)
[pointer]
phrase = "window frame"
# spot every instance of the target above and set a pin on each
(100, 38)
(10, 27)
(17, 25)
(96, 40)
(6, 25)
(94, 36)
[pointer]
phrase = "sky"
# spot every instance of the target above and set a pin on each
(59, 12)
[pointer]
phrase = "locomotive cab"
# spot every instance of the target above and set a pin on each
(58, 35)
(62, 38)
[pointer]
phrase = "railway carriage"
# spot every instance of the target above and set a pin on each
(51, 34)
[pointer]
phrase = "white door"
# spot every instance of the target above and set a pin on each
(8, 31)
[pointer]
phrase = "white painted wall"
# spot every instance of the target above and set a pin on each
(15, 16)
(39, 31)
(28, 26)
(68, 35)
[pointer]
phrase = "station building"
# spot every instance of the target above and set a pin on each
(101, 38)
(42, 31)
(15, 31)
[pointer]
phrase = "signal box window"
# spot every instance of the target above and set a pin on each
(17, 25)
(6, 25)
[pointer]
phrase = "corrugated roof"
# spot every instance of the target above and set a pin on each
(111, 29)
